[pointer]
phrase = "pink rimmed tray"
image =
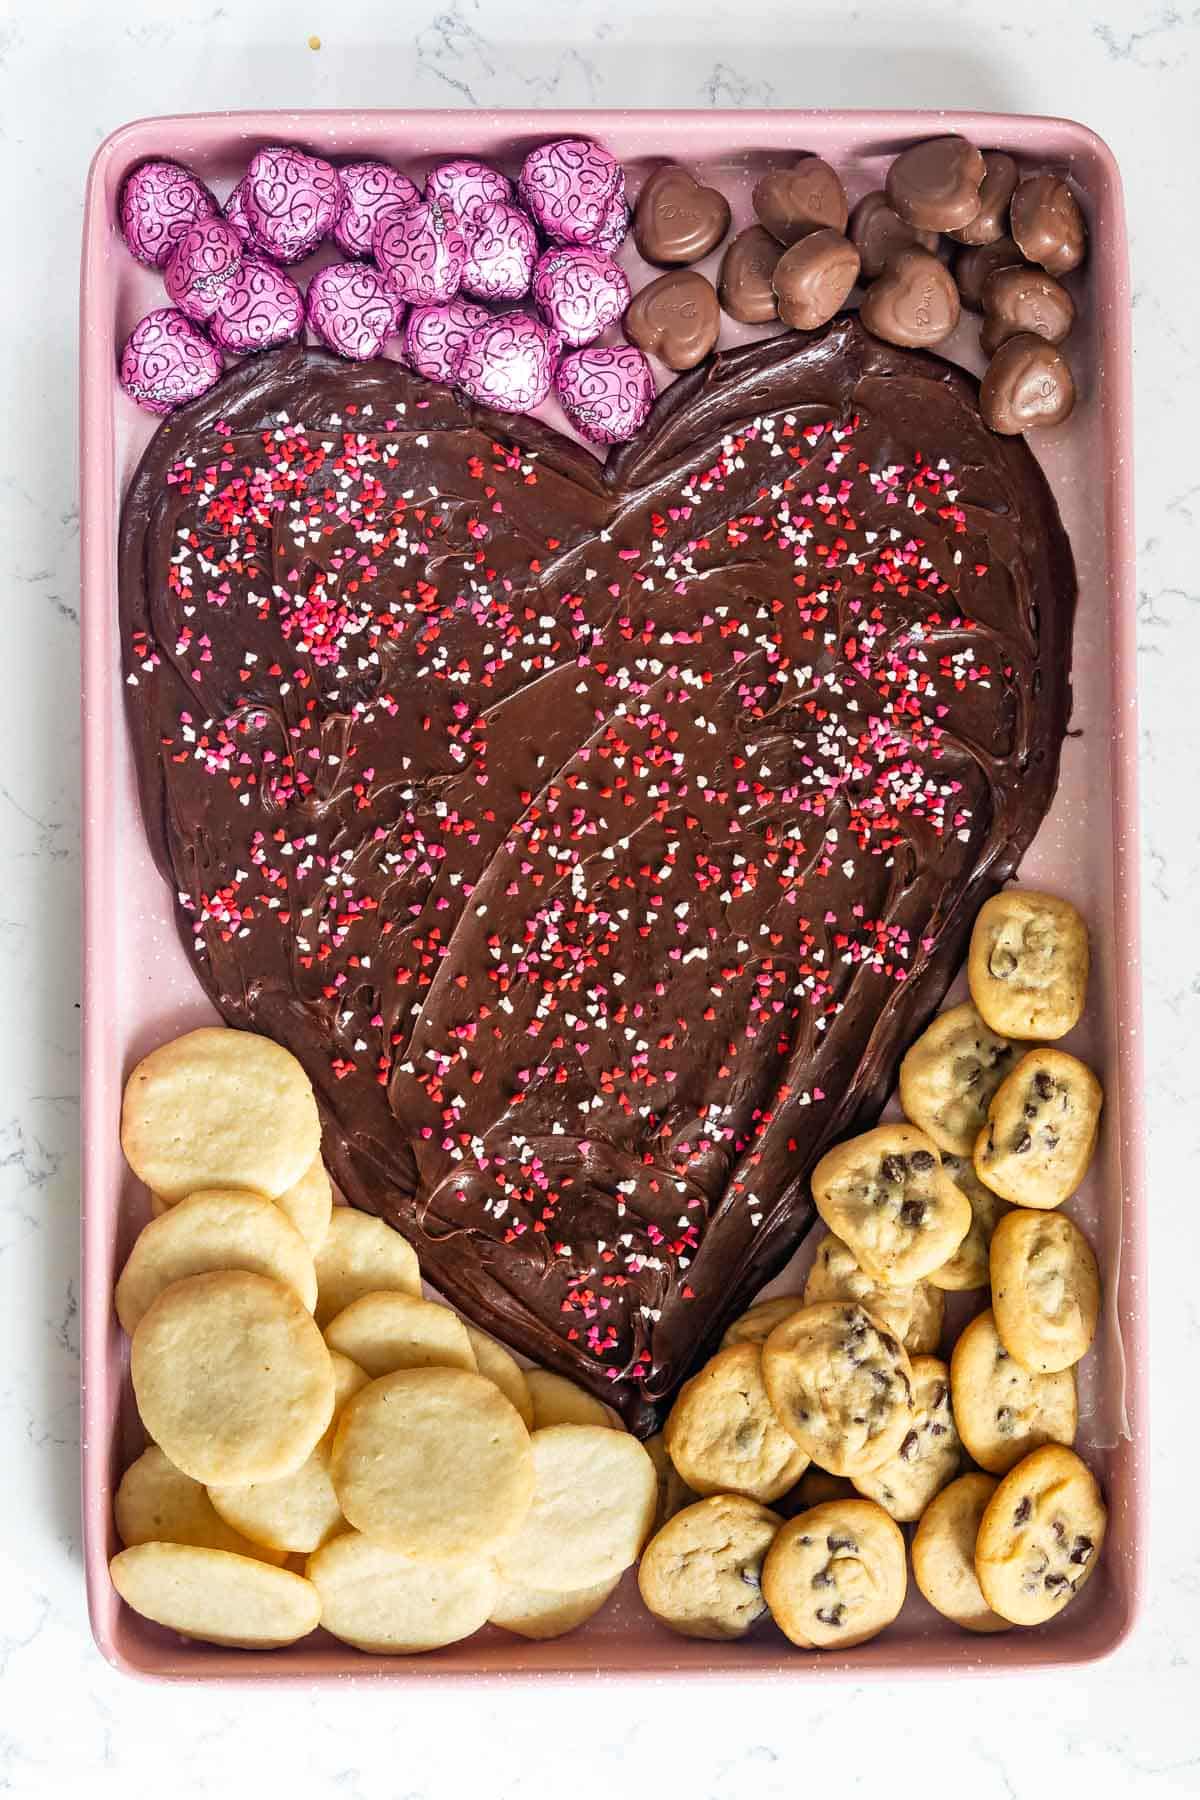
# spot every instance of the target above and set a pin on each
(139, 988)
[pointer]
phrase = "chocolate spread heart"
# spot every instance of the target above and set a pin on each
(597, 835)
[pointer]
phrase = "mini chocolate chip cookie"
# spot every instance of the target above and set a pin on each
(914, 1313)
(968, 1267)
(756, 1326)
(949, 1075)
(1040, 1537)
(930, 1452)
(840, 1384)
(722, 1434)
(943, 1553)
(1041, 1130)
(887, 1196)
(702, 1573)
(1004, 1411)
(836, 1576)
(1028, 964)
(1045, 1290)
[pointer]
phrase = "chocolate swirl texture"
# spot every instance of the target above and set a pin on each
(597, 835)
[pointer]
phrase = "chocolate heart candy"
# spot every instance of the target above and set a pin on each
(936, 184)
(972, 268)
(878, 234)
(675, 318)
(747, 271)
(1028, 383)
(1047, 224)
(991, 221)
(677, 220)
(808, 197)
(813, 278)
(1021, 299)
(914, 302)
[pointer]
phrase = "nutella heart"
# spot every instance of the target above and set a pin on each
(597, 834)
(675, 318)
(677, 220)
(807, 197)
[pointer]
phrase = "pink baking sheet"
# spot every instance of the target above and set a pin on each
(140, 990)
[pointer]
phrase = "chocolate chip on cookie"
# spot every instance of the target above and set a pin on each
(1028, 964)
(887, 1196)
(949, 1075)
(1041, 1130)
(1041, 1536)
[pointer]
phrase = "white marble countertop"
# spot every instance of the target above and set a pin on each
(68, 74)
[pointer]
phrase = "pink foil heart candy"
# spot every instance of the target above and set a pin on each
(167, 360)
(368, 188)
(434, 337)
(615, 226)
(606, 393)
(569, 187)
(261, 307)
(421, 250)
(201, 266)
(234, 213)
(351, 309)
(502, 250)
(579, 290)
(465, 186)
(508, 362)
(158, 203)
(291, 200)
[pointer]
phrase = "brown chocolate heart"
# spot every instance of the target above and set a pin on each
(675, 318)
(814, 277)
(1047, 224)
(972, 268)
(807, 197)
(1028, 384)
(936, 184)
(914, 302)
(991, 221)
(878, 234)
(747, 276)
(1021, 299)
(677, 220)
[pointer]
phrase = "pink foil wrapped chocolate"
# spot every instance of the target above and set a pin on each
(569, 187)
(234, 213)
(167, 360)
(464, 186)
(201, 266)
(615, 226)
(421, 250)
(508, 362)
(435, 336)
(261, 307)
(291, 201)
(502, 249)
(159, 201)
(605, 392)
(351, 309)
(368, 189)
(579, 290)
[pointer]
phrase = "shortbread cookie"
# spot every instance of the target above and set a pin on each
(156, 1503)
(1041, 1130)
(836, 1576)
(1041, 1536)
(232, 1377)
(722, 1434)
(361, 1255)
(219, 1108)
(930, 1453)
(378, 1599)
(949, 1075)
(756, 1325)
(1002, 1410)
(885, 1195)
(673, 1491)
(968, 1267)
(308, 1203)
(535, 1613)
(220, 1229)
(433, 1462)
(389, 1331)
(1028, 964)
(215, 1596)
(914, 1313)
(943, 1553)
(1045, 1290)
(702, 1573)
(841, 1386)
(593, 1506)
(557, 1401)
(493, 1361)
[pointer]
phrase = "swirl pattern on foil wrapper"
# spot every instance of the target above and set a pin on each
(579, 290)
(159, 201)
(605, 392)
(503, 249)
(464, 186)
(291, 201)
(508, 362)
(201, 266)
(351, 309)
(569, 187)
(368, 189)
(234, 213)
(615, 226)
(261, 307)
(434, 337)
(167, 360)
(421, 250)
